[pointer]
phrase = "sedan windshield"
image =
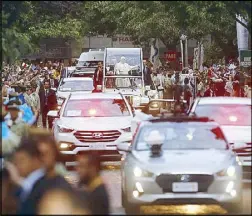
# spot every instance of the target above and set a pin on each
(186, 136)
(72, 86)
(96, 108)
(237, 115)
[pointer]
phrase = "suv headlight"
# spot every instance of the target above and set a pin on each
(230, 171)
(138, 172)
(64, 129)
(128, 129)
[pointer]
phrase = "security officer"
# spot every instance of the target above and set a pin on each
(15, 123)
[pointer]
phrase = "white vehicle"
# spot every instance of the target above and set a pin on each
(180, 161)
(87, 63)
(123, 72)
(69, 85)
(67, 71)
(234, 116)
(95, 121)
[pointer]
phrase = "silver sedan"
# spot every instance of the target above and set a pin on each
(180, 161)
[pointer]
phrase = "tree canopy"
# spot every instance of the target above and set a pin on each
(26, 22)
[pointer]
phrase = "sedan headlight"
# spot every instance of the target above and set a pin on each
(138, 172)
(128, 129)
(230, 171)
(64, 129)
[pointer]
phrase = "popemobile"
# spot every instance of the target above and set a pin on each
(123, 72)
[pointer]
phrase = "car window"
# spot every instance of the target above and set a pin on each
(193, 135)
(75, 85)
(237, 115)
(96, 108)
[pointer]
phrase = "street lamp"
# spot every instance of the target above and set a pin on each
(184, 55)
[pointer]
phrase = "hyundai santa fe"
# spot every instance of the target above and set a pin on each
(95, 121)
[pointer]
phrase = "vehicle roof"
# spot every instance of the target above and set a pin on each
(80, 95)
(224, 100)
(77, 79)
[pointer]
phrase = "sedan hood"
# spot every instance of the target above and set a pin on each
(95, 123)
(237, 133)
(185, 161)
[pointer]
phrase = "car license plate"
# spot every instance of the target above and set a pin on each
(184, 186)
(97, 146)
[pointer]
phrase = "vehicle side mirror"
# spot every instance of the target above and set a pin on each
(124, 147)
(53, 114)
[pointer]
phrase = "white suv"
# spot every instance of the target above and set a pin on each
(95, 121)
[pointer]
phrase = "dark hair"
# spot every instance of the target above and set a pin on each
(40, 135)
(27, 145)
(186, 81)
(94, 159)
(46, 80)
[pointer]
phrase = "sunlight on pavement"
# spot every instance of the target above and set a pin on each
(183, 209)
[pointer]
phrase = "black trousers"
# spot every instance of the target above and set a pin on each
(44, 115)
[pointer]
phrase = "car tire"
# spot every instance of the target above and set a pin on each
(235, 208)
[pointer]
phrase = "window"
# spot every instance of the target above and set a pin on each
(96, 108)
(238, 115)
(185, 135)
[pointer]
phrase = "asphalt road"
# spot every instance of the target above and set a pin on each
(112, 178)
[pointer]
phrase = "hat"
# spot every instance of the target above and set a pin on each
(155, 138)
(13, 104)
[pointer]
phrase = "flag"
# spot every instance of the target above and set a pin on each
(154, 55)
(242, 34)
(201, 57)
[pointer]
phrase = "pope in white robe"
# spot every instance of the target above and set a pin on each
(122, 68)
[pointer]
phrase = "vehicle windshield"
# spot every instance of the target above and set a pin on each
(87, 64)
(185, 136)
(236, 115)
(96, 108)
(118, 83)
(123, 62)
(72, 86)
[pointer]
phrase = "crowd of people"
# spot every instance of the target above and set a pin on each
(33, 178)
(216, 80)
(33, 175)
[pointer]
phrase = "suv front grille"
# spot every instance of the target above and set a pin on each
(165, 181)
(97, 136)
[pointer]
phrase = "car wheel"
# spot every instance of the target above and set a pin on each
(235, 208)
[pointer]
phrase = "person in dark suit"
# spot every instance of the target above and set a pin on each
(88, 170)
(48, 101)
(27, 165)
(50, 157)
(98, 76)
